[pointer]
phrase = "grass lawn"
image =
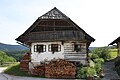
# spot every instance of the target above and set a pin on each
(15, 70)
(112, 54)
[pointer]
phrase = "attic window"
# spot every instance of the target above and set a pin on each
(39, 48)
(54, 48)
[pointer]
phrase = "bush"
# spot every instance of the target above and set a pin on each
(98, 67)
(100, 53)
(91, 72)
(94, 56)
(91, 63)
(82, 73)
(99, 60)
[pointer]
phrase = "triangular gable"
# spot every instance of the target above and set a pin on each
(54, 14)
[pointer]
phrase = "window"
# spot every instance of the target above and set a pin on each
(39, 48)
(77, 47)
(54, 48)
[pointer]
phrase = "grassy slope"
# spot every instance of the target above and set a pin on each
(15, 70)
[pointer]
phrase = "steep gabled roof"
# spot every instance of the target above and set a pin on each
(54, 26)
(115, 41)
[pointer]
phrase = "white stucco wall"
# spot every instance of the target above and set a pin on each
(39, 57)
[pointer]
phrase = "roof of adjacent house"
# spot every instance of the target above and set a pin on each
(115, 41)
(54, 26)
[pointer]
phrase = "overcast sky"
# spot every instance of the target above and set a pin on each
(99, 18)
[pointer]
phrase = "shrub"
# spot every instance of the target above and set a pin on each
(99, 60)
(98, 67)
(91, 72)
(94, 56)
(100, 53)
(82, 73)
(91, 63)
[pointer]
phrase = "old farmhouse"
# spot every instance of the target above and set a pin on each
(54, 35)
(116, 41)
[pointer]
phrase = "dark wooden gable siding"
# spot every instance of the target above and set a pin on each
(54, 14)
(54, 26)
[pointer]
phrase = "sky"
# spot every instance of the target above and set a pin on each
(99, 18)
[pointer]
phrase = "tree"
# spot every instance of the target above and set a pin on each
(5, 58)
(2, 55)
(102, 52)
(17, 54)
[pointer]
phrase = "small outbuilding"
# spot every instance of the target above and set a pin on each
(117, 42)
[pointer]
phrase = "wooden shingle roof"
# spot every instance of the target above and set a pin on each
(54, 26)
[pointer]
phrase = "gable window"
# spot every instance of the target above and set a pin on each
(77, 47)
(39, 48)
(54, 48)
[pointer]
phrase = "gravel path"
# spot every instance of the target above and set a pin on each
(2, 69)
(9, 77)
(110, 74)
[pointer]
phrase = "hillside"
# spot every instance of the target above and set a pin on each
(11, 48)
(92, 48)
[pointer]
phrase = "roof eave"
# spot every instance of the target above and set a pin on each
(115, 41)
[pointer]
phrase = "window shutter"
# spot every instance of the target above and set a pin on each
(59, 48)
(73, 47)
(35, 48)
(49, 47)
(44, 48)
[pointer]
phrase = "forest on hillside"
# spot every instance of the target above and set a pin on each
(4, 58)
(16, 54)
(15, 51)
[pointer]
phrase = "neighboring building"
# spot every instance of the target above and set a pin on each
(54, 35)
(116, 41)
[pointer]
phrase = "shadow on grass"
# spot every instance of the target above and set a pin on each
(15, 70)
